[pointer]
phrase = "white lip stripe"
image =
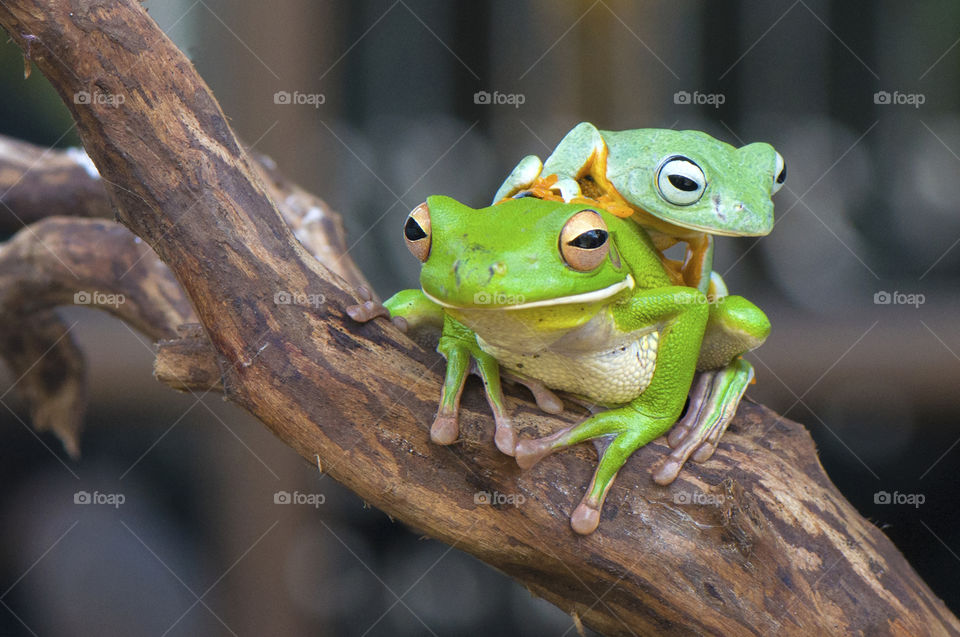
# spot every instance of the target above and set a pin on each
(586, 297)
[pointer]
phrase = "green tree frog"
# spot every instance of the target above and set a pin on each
(573, 297)
(679, 186)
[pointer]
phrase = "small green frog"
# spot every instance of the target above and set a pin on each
(679, 186)
(570, 296)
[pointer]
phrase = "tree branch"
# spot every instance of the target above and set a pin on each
(36, 183)
(783, 552)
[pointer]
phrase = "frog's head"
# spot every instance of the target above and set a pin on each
(692, 180)
(527, 256)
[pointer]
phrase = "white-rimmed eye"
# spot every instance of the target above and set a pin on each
(680, 181)
(780, 174)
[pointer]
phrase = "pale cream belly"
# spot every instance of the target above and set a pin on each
(607, 376)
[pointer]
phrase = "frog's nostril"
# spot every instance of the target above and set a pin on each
(498, 268)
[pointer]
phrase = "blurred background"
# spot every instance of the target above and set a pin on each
(863, 101)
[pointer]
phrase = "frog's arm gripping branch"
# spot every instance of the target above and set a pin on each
(783, 552)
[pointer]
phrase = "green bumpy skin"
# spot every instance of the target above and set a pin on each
(618, 334)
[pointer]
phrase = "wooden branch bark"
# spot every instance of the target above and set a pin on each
(86, 262)
(783, 551)
(36, 183)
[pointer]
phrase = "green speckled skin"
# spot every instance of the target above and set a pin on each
(740, 181)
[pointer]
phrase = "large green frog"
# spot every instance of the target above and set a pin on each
(571, 296)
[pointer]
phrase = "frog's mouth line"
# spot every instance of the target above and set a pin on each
(670, 226)
(585, 297)
(722, 233)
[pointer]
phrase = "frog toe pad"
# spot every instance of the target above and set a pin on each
(530, 452)
(445, 429)
(585, 519)
(506, 438)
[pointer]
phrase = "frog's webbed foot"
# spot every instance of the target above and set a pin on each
(622, 443)
(713, 403)
(546, 400)
(530, 452)
(370, 309)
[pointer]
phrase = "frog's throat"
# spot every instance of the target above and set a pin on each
(585, 297)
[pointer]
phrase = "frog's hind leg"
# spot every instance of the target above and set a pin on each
(586, 517)
(530, 452)
(713, 404)
(546, 400)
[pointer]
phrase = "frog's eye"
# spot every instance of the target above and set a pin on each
(680, 181)
(584, 241)
(416, 232)
(781, 174)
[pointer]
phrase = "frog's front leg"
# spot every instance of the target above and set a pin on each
(698, 262)
(407, 309)
(682, 312)
(626, 431)
(458, 344)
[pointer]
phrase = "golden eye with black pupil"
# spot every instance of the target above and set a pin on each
(416, 232)
(584, 241)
